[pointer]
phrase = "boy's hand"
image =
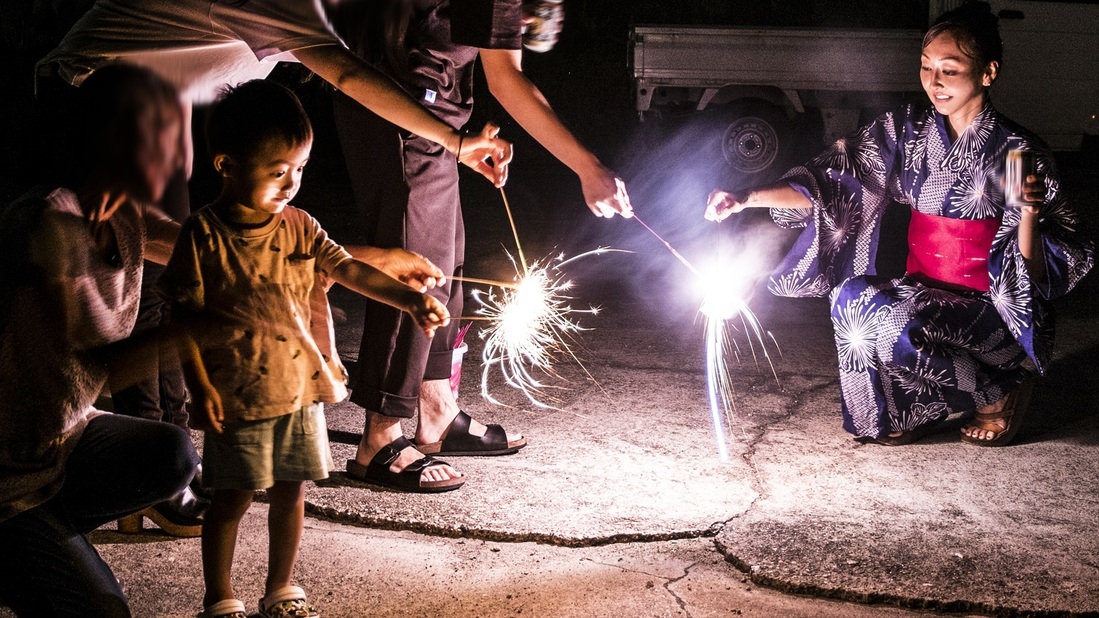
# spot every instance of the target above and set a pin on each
(429, 314)
(206, 411)
(411, 269)
(721, 204)
(475, 151)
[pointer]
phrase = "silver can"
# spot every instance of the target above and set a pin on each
(1019, 164)
(542, 22)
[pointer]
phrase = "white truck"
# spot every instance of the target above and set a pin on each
(749, 89)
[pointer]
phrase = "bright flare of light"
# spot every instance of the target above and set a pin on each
(529, 328)
(724, 305)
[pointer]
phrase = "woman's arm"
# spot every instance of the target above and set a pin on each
(604, 193)
(1030, 242)
(721, 204)
(357, 79)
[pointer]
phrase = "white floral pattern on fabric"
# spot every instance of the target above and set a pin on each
(911, 354)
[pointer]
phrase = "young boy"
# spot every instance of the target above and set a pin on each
(244, 272)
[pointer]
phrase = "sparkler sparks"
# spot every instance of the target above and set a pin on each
(530, 325)
(724, 291)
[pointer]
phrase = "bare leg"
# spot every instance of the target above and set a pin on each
(219, 541)
(438, 408)
(382, 430)
(285, 521)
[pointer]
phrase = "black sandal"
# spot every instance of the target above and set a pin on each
(460, 443)
(378, 472)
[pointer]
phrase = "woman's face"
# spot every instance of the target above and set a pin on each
(159, 153)
(953, 81)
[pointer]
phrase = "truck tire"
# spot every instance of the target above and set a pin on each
(752, 140)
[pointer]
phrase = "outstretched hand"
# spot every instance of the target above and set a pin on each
(605, 194)
(429, 314)
(486, 153)
(721, 204)
(411, 269)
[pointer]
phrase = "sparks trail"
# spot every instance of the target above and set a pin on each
(723, 303)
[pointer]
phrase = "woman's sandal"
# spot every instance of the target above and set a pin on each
(226, 608)
(133, 524)
(910, 436)
(1005, 423)
(460, 443)
(378, 472)
(288, 602)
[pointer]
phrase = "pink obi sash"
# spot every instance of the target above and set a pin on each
(950, 253)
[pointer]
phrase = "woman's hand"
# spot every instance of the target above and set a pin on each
(605, 194)
(486, 153)
(721, 204)
(1034, 194)
(429, 314)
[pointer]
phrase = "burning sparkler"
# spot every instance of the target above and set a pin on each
(530, 323)
(724, 301)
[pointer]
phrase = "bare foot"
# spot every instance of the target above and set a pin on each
(382, 431)
(989, 422)
(438, 409)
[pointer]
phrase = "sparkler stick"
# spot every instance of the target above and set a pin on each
(499, 284)
(514, 232)
(678, 256)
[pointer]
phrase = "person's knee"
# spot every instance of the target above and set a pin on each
(178, 459)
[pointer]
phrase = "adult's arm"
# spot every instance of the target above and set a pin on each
(604, 193)
(721, 204)
(373, 90)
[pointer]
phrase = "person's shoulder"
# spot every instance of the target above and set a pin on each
(1021, 135)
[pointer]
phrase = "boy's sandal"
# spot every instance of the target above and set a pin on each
(288, 602)
(378, 472)
(226, 608)
(1005, 423)
(460, 443)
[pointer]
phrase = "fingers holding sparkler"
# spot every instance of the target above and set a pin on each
(720, 204)
(486, 154)
(604, 193)
(428, 313)
(408, 267)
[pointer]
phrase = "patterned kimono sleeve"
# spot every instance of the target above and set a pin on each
(181, 284)
(1068, 256)
(849, 185)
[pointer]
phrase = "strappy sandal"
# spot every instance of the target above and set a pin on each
(288, 602)
(1011, 417)
(378, 472)
(460, 443)
(226, 608)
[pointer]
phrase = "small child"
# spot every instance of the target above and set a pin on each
(243, 274)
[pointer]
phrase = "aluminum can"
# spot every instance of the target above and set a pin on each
(543, 20)
(1019, 164)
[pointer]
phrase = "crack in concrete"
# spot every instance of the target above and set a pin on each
(668, 581)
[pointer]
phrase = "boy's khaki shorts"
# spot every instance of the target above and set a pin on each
(255, 454)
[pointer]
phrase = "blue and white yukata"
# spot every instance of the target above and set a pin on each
(912, 353)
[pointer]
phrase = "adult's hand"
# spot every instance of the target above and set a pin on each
(605, 194)
(486, 153)
(412, 269)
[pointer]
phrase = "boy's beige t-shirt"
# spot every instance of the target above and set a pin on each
(263, 323)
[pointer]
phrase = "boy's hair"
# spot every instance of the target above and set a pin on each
(250, 114)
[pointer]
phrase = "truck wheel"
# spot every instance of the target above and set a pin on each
(753, 140)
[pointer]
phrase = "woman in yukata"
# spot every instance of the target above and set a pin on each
(968, 326)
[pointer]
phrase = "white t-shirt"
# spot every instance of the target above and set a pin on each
(196, 45)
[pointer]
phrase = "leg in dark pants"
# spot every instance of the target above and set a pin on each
(120, 465)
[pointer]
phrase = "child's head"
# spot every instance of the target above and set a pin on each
(259, 138)
(130, 134)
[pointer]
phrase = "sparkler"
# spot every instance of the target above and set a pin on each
(722, 303)
(530, 322)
